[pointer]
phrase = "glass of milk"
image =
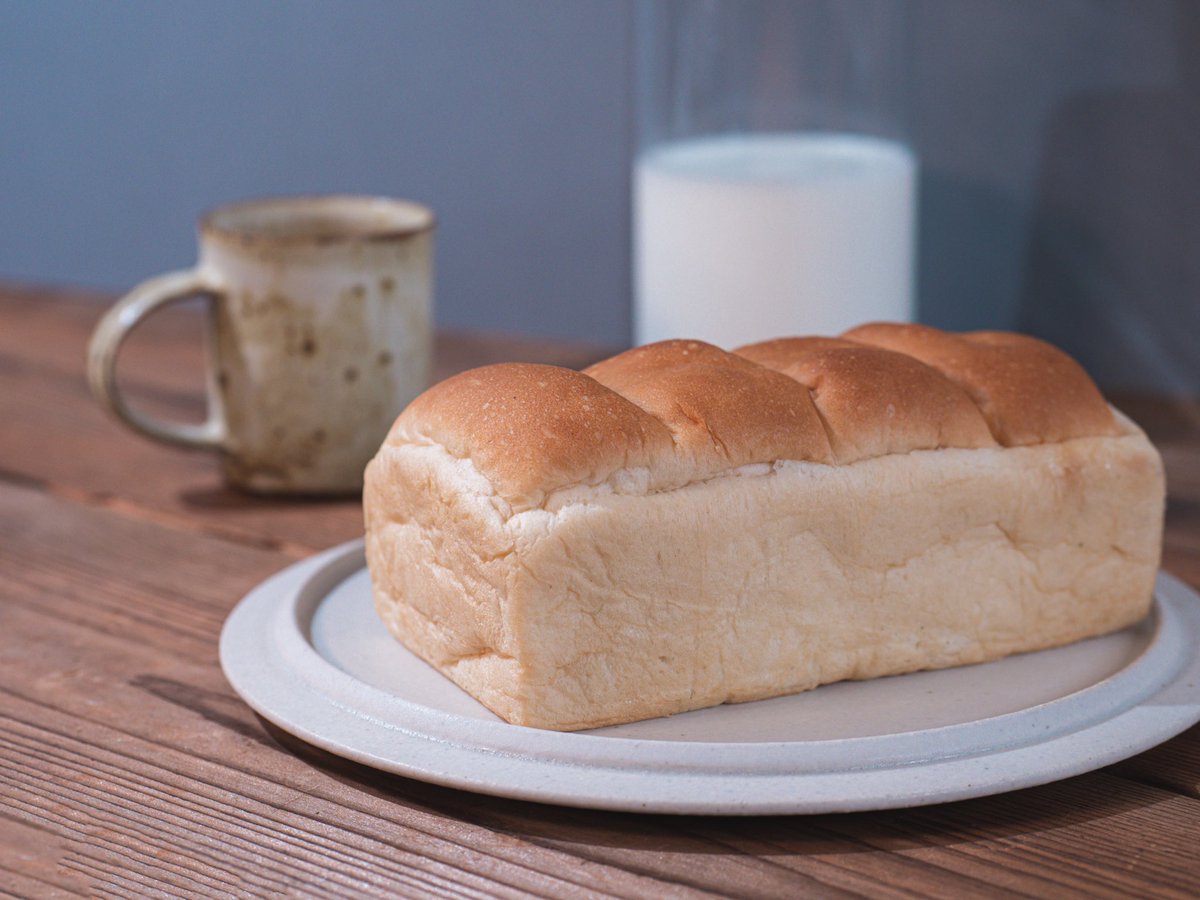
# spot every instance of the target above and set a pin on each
(774, 190)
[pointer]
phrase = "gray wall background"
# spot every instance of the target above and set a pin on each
(1060, 145)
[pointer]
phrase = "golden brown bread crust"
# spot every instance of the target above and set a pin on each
(683, 411)
(874, 402)
(723, 411)
(532, 428)
(1029, 391)
(782, 352)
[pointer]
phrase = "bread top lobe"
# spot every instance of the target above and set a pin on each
(873, 401)
(723, 411)
(681, 411)
(1029, 391)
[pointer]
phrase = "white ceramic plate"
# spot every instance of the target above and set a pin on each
(306, 651)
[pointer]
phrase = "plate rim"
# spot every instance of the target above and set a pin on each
(272, 615)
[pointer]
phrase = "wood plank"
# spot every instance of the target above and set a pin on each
(132, 815)
(74, 565)
(32, 861)
(1174, 765)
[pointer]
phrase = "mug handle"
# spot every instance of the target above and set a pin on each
(111, 332)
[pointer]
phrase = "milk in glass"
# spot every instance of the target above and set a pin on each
(743, 237)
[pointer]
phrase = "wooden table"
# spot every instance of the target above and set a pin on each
(129, 767)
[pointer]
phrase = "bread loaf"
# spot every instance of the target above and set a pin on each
(680, 526)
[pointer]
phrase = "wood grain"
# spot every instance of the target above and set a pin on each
(129, 768)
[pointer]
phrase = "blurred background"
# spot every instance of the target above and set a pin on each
(1059, 146)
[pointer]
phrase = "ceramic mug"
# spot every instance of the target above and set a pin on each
(318, 335)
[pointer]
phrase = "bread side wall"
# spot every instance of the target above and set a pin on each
(440, 560)
(777, 579)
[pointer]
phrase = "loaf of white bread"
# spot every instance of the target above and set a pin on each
(680, 526)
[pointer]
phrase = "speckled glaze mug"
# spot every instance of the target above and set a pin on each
(318, 335)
